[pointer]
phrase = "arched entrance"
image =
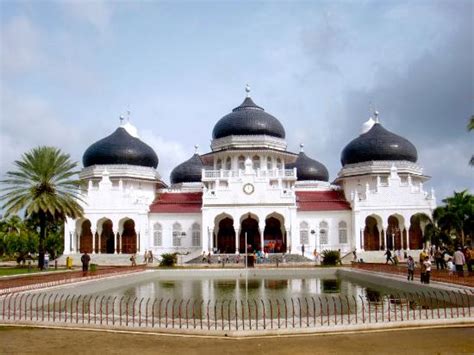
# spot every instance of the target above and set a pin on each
(394, 235)
(371, 234)
(85, 239)
(129, 237)
(273, 239)
(226, 236)
(249, 225)
(415, 233)
(107, 238)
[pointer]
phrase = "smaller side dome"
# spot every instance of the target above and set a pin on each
(120, 148)
(189, 171)
(309, 169)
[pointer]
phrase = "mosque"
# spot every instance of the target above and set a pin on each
(250, 190)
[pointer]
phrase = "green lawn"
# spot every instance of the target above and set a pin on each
(8, 271)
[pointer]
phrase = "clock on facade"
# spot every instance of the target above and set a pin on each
(249, 189)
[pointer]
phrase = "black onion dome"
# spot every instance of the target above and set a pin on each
(189, 171)
(378, 144)
(120, 148)
(309, 169)
(248, 119)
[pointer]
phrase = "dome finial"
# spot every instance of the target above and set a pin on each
(196, 147)
(247, 90)
(121, 118)
(301, 147)
(376, 116)
(128, 115)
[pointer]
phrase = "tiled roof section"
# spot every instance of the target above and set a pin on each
(179, 202)
(321, 201)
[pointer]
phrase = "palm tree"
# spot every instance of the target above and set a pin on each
(44, 187)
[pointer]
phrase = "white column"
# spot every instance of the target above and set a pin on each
(261, 226)
(115, 241)
(120, 242)
(93, 241)
(78, 242)
(237, 237)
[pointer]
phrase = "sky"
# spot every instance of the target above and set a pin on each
(69, 69)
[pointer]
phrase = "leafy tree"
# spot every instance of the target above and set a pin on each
(456, 217)
(44, 185)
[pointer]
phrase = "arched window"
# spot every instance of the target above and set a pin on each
(196, 235)
(279, 165)
(304, 233)
(176, 234)
(323, 232)
(157, 235)
(219, 164)
(269, 163)
(256, 162)
(228, 164)
(342, 232)
(241, 162)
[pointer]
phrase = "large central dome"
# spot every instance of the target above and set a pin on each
(248, 119)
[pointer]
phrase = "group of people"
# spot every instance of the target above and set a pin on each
(454, 263)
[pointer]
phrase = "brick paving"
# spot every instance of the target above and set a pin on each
(28, 282)
(436, 275)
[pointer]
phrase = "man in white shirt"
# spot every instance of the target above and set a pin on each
(459, 260)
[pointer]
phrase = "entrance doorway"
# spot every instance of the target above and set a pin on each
(250, 226)
(226, 236)
(107, 237)
(273, 241)
(371, 234)
(129, 237)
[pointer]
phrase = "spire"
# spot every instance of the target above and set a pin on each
(376, 116)
(121, 118)
(247, 90)
(301, 147)
(196, 147)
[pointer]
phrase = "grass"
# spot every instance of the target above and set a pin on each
(20, 270)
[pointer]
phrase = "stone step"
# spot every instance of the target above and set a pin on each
(103, 259)
(272, 258)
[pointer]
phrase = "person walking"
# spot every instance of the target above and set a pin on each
(459, 260)
(133, 259)
(427, 267)
(388, 255)
(85, 259)
(411, 268)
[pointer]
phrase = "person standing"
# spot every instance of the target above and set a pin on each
(427, 267)
(459, 260)
(354, 255)
(46, 260)
(468, 258)
(85, 260)
(302, 249)
(133, 259)
(411, 268)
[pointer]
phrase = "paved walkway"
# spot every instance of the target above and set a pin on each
(414, 341)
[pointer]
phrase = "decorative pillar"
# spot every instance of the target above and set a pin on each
(138, 242)
(78, 242)
(93, 241)
(120, 240)
(261, 226)
(115, 241)
(237, 238)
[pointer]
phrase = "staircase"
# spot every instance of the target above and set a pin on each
(378, 256)
(234, 259)
(103, 259)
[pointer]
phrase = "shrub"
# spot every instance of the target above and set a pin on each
(93, 267)
(330, 257)
(169, 259)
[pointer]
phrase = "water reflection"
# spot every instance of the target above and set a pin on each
(331, 285)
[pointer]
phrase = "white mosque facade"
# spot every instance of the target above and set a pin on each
(250, 188)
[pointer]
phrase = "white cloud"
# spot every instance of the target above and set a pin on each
(170, 153)
(21, 42)
(97, 13)
(28, 122)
